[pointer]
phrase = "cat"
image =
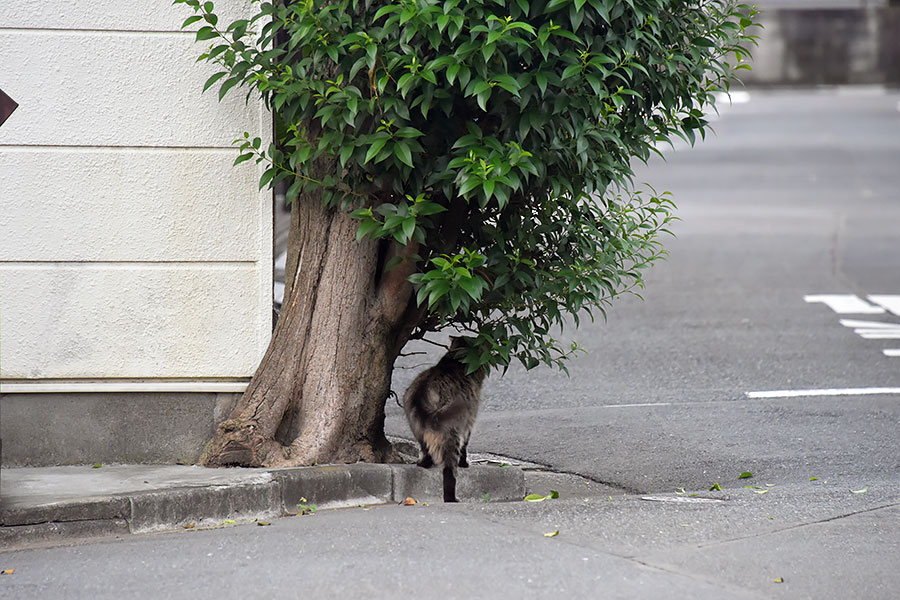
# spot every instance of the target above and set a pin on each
(441, 405)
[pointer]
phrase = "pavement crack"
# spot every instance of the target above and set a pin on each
(797, 526)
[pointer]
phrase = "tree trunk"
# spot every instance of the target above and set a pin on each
(318, 395)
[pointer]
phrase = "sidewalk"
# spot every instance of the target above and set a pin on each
(49, 505)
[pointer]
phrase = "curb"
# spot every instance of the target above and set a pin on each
(276, 493)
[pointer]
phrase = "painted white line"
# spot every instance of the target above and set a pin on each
(633, 405)
(893, 352)
(879, 334)
(846, 304)
(892, 303)
(826, 392)
(869, 324)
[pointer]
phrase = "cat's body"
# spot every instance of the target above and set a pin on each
(441, 405)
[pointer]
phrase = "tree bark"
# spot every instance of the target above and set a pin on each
(318, 395)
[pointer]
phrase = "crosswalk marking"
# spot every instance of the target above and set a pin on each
(846, 304)
(851, 304)
(873, 330)
(891, 303)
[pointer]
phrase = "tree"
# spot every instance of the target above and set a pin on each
(454, 164)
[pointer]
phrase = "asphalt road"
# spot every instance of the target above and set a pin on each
(794, 195)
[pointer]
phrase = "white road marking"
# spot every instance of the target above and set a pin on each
(868, 324)
(639, 404)
(846, 304)
(892, 352)
(873, 330)
(825, 392)
(892, 303)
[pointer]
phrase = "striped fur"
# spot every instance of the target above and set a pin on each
(441, 405)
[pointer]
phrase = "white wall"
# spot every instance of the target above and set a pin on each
(130, 248)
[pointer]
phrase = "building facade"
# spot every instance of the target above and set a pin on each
(135, 260)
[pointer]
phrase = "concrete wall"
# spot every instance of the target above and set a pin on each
(134, 259)
(827, 46)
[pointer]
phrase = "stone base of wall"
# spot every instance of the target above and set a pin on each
(811, 46)
(70, 429)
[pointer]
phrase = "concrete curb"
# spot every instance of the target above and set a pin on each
(277, 492)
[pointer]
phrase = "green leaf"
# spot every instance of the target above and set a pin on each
(538, 498)
(206, 33)
(375, 148)
(402, 151)
(715, 488)
(745, 475)
(482, 98)
(571, 71)
(409, 226)
(452, 71)
(267, 177)
(229, 83)
(428, 75)
(191, 20)
(242, 158)
(213, 79)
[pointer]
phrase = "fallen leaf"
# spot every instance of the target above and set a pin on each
(778, 580)
(862, 491)
(813, 478)
(409, 502)
(189, 525)
(538, 498)
(97, 465)
(770, 485)
(745, 475)
(680, 492)
(8, 571)
(716, 487)
(229, 522)
(552, 533)
(263, 523)
(760, 491)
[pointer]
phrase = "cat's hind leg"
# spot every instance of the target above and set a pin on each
(463, 454)
(425, 459)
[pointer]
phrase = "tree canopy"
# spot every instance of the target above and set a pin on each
(492, 138)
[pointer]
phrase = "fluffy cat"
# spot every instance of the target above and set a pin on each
(441, 405)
